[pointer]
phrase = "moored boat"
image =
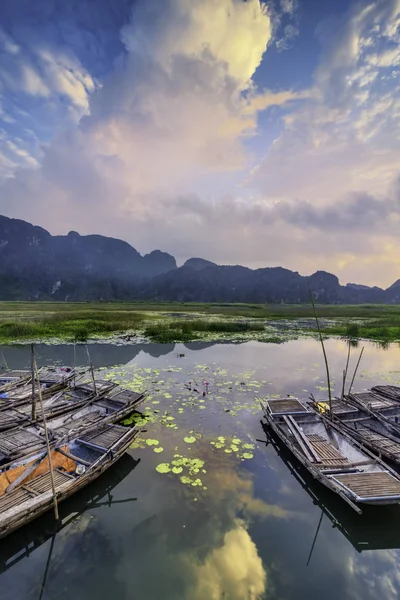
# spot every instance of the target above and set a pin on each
(366, 531)
(99, 494)
(375, 431)
(26, 487)
(332, 456)
(115, 405)
(60, 403)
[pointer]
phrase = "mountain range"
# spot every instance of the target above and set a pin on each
(35, 265)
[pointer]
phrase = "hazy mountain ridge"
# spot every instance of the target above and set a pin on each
(36, 265)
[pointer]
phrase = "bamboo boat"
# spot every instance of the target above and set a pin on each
(26, 486)
(13, 377)
(99, 494)
(51, 380)
(370, 427)
(365, 532)
(332, 456)
(112, 407)
(60, 403)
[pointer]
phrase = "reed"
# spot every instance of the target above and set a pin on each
(324, 353)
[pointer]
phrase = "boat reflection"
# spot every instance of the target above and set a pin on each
(23, 542)
(374, 529)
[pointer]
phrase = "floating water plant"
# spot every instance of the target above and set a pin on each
(163, 468)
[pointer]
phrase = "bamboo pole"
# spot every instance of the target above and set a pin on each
(346, 369)
(323, 350)
(91, 370)
(4, 359)
(74, 363)
(53, 487)
(33, 382)
(355, 372)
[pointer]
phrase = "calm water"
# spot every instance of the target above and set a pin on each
(254, 527)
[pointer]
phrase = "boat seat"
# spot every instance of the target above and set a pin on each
(328, 453)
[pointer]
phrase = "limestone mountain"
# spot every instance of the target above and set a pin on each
(34, 265)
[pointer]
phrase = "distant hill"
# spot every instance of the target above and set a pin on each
(37, 265)
(34, 265)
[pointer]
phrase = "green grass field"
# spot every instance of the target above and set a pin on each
(165, 322)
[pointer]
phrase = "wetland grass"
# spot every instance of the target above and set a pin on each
(167, 322)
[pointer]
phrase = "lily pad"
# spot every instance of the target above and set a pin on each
(163, 468)
(189, 439)
(248, 455)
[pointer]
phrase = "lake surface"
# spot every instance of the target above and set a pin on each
(213, 509)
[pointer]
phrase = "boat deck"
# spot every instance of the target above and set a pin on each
(35, 487)
(125, 397)
(389, 391)
(385, 444)
(342, 408)
(373, 400)
(285, 406)
(103, 438)
(366, 486)
(12, 443)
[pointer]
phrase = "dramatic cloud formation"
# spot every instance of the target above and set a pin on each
(144, 122)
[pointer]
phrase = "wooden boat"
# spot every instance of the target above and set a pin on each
(110, 408)
(389, 391)
(13, 377)
(113, 407)
(370, 428)
(23, 543)
(60, 403)
(365, 532)
(331, 456)
(25, 487)
(51, 380)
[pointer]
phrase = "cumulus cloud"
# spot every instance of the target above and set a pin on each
(158, 144)
(170, 111)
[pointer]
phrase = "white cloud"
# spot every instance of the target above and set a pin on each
(233, 32)
(171, 118)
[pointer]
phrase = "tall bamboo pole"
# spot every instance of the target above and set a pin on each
(53, 487)
(33, 382)
(355, 372)
(4, 359)
(91, 370)
(323, 350)
(346, 369)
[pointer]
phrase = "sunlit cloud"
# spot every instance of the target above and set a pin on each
(170, 143)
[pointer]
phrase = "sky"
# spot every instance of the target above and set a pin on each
(243, 132)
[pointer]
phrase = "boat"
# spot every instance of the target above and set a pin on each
(51, 380)
(13, 376)
(26, 485)
(112, 407)
(101, 493)
(60, 403)
(332, 456)
(390, 391)
(369, 427)
(368, 531)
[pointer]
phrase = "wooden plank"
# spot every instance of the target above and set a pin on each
(299, 437)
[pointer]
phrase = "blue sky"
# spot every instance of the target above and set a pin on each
(244, 132)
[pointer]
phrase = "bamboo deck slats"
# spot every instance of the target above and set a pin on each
(374, 484)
